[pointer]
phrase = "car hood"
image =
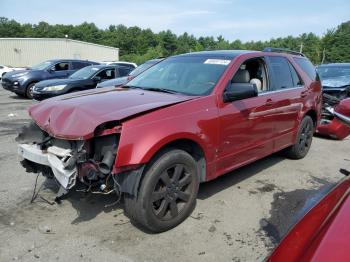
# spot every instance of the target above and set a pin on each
(336, 82)
(75, 116)
(15, 72)
(54, 82)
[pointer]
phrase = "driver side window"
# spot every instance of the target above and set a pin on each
(253, 71)
(63, 66)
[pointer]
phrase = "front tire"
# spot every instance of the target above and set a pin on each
(29, 90)
(304, 139)
(168, 192)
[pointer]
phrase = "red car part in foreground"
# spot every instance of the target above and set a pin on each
(323, 233)
(331, 126)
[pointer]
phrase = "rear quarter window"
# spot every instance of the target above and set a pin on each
(281, 73)
(307, 67)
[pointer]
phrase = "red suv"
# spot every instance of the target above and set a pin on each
(186, 120)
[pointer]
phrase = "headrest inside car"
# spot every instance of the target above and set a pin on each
(242, 76)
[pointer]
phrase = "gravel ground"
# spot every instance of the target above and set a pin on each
(239, 217)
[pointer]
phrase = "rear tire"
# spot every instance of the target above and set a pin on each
(167, 194)
(304, 139)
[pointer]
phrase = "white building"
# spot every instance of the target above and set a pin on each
(22, 52)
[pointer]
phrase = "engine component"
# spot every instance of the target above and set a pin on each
(106, 165)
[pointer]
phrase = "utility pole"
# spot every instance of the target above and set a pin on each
(301, 47)
(323, 55)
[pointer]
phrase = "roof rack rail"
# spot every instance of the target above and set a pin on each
(282, 50)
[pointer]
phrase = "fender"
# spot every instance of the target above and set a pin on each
(140, 136)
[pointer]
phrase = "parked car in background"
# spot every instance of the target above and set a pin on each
(188, 119)
(5, 69)
(335, 79)
(123, 63)
(21, 82)
(122, 80)
(85, 78)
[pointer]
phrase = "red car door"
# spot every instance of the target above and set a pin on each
(287, 96)
(247, 127)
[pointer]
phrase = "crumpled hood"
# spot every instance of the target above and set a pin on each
(336, 82)
(76, 116)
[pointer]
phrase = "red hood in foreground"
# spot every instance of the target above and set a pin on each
(323, 233)
(76, 116)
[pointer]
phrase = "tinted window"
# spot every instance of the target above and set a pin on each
(296, 78)
(281, 74)
(79, 65)
(61, 66)
(107, 74)
(1, 67)
(306, 66)
(123, 71)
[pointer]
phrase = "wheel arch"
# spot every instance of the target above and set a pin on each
(191, 147)
(312, 113)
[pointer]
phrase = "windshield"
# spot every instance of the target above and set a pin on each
(138, 70)
(84, 73)
(188, 75)
(42, 66)
(333, 71)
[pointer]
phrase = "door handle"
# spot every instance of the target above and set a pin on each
(269, 102)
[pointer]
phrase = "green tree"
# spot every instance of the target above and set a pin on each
(336, 44)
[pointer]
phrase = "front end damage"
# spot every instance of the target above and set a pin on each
(87, 163)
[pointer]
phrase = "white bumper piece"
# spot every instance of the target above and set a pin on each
(54, 157)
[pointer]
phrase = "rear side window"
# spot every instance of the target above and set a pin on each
(306, 66)
(296, 78)
(79, 65)
(281, 73)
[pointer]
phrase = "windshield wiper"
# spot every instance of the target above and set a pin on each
(164, 90)
(132, 87)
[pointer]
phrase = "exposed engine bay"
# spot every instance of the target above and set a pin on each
(330, 125)
(328, 101)
(87, 162)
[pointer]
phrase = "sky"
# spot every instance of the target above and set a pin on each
(233, 19)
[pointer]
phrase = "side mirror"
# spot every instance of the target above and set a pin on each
(238, 91)
(51, 70)
(97, 79)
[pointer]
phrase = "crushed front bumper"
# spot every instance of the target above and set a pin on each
(54, 157)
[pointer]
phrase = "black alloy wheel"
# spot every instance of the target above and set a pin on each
(167, 194)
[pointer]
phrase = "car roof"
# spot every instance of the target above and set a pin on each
(71, 60)
(218, 53)
(106, 66)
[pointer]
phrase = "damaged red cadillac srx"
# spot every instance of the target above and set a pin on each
(186, 120)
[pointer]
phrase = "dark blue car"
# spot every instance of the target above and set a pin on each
(22, 82)
(85, 78)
